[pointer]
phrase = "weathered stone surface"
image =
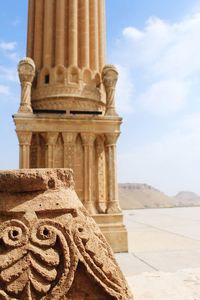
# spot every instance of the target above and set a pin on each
(67, 116)
(50, 248)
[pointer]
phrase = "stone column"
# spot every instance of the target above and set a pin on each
(73, 33)
(101, 180)
(26, 71)
(113, 202)
(48, 33)
(51, 139)
(109, 78)
(30, 34)
(88, 145)
(102, 35)
(24, 154)
(38, 33)
(60, 32)
(69, 139)
(94, 36)
(84, 33)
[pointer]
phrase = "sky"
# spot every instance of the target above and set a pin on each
(155, 46)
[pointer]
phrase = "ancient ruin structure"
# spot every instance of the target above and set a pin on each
(67, 115)
(49, 246)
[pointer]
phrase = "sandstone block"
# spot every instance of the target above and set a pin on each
(50, 248)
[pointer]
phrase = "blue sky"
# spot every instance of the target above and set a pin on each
(156, 46)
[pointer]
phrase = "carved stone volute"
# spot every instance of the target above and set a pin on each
(49, 246)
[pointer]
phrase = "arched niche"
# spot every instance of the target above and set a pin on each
(87, 76)
(73, 75)
(60, 74)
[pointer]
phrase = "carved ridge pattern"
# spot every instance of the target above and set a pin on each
(36, 263)
(106, 274)
(68, 104)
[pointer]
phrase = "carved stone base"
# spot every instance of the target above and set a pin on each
(113, 229)
(50, 248)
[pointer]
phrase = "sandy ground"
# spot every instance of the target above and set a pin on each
(163, 262)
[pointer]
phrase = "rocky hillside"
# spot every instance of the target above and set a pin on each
(186, 198)
(136, 195)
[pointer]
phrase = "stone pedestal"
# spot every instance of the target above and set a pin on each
(50, 248)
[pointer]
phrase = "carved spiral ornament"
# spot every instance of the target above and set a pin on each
(35, 262)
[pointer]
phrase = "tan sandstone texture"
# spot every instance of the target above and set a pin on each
(50, 248)
(67, 116)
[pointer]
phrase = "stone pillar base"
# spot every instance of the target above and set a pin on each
(113, 229)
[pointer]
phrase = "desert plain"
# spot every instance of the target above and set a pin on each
(163, 262)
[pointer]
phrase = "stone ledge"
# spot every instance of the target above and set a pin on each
(27, 180)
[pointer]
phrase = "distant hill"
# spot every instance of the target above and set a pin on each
(186, 198)
(138, 195)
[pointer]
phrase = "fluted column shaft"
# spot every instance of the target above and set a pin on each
(113, 202)
(60, 32)
(38, 33)
(31, 23)
(94, 37)
(24, 154)
(73, 32)
(102, 35)
(88, 143)
(51, 139)
(48, 33)
(101, 182)
(84, 33)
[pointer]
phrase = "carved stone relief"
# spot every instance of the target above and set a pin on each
(49, 246)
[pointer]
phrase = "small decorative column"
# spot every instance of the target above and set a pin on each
(88, 143)
(113, 202)
(101, 180)
(69, 139)
(26, 71)
(110, 77)
(24, 154)
(51, 139)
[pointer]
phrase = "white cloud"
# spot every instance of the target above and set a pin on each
(125, 91)
(8, 74)
(10, 46)
(163, 60)
(165, 96)
(4, 90)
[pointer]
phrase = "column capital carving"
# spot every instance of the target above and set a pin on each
(24, 137)
(51, 138)
(26, 70)
(88, 138)
(110, 77)
(69, 137)
(111, 139)
(100, 144)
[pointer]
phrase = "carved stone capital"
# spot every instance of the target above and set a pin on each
(26, 70)
(111, 139)
(51, 138)
(87, 138)
(69, 137)
(100, 145)
(24, 137)
(50, 247)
